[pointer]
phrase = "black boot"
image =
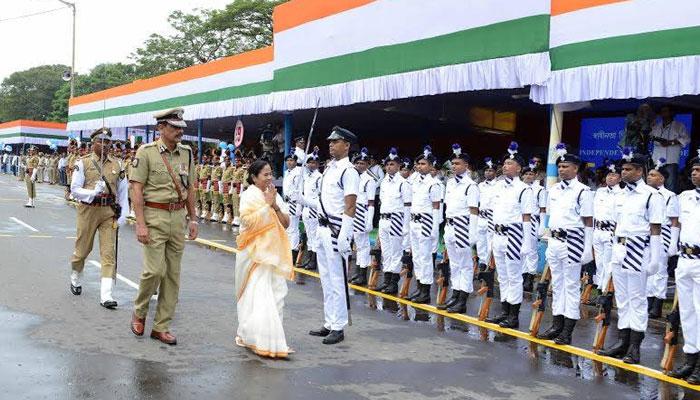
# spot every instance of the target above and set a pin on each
(565, 335)
(356, 274)
(650, 304)
(385, 283)
(416, 292)
(687, 368)
(362, 277)
(512, 321)
(694, 378)
(453, 299)
(505, 310)
(620, 347)
(311, 265)
(393, 286)
(460, 306)
(656, 307)
(424, 297)
(554, 330)
(527, 282)
(632, 356)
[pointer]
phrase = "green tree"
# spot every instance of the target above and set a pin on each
(29, 94)
(101, 77)
(206, 35)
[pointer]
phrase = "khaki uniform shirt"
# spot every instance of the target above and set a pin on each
(148, 168)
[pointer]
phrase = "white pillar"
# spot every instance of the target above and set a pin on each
(556, 119)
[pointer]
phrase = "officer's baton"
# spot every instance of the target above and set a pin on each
(347, 289)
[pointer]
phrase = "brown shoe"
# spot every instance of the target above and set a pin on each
(138, 325)
(164, 337)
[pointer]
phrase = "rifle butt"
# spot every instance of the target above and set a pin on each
(484, 308)
(535, 322)
(586, 294)
(667, 360)
(599, 338)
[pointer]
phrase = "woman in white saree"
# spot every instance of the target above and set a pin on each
(263, 264)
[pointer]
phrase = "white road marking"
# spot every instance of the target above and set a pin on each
(120, 277)
(24, 224)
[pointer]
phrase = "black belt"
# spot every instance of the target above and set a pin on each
(386, 215)
(501, 228)
(604, 224)
(690, 250)
(416, 217)
(560, 234)
(101, 201)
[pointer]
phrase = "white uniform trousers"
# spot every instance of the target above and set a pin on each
(657, 284)
(406, 241)
(484, 240)
(531, 258)
(422, 253)
(330, 268)
(509, 266)
(630, 289)
(461, 271)
(311, 226)
(566, 282)
(392, 247)
(688, 286)
(293, 228)
(362, 249)
(602, 249)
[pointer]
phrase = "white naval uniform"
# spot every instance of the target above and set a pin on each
(310, 213)
(461, 194)
(441, 187)
(657, 283)
(366, 191)
(636, 207)
(603, 207)
(511, 200)
(568, 202)
(407, 226)
(394, 192)
(340, 179)
(688, 270)
(425, 191)
(530, 259)
(291, 189)
(485, 228)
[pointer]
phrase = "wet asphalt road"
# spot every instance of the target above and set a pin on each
(54, 345)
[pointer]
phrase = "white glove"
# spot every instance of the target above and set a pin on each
(99, 187)
(345, 236)
(208, 187)
(527, 239)
(221, 186)
(369, 219)
(673, 247)
(540, 229)
(473, 227)
(406, 221)
(33, 178)
(230, 189)
(587, 245)
(655, 247)
(435, 230)
(121, 221)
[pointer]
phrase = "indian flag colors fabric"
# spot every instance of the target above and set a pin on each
(332, 53)
(33, 132)
(235, 85)
(618, 49)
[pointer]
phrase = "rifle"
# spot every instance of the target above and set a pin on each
(374, 272)
(407, 273)
(475, 261)
(604, 301)
(443, 281)
(300, 251)
(486, 276)
(587, 280)
(671, 337)
(540, 301)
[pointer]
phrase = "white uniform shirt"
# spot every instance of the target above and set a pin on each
(334, 189)
(636, 209)
(671, 202)
(426, 190)
(378, 173)
(510, 201)
(689, 207)
(394, 192)
(604, 203)
(461, 193)
(301, 155)
(673, 131)
(486, 192)
(539, 194)
(366, 189)
(312, 184)
(291, 186)
(568, 203)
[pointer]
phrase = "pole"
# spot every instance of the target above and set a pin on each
(288, 127)
(72, 64)
(556, 120)
(200, 126)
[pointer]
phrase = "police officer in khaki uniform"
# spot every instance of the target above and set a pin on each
(98, 182)
(31, 175)
(227, 179)
(162, 179)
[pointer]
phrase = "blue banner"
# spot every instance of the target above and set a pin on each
(600, 138)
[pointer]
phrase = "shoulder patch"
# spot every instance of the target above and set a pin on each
(135, 162)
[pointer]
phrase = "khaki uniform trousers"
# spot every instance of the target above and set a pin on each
(92, 219)
(235, 203)
(31, 186)
(161, 265)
